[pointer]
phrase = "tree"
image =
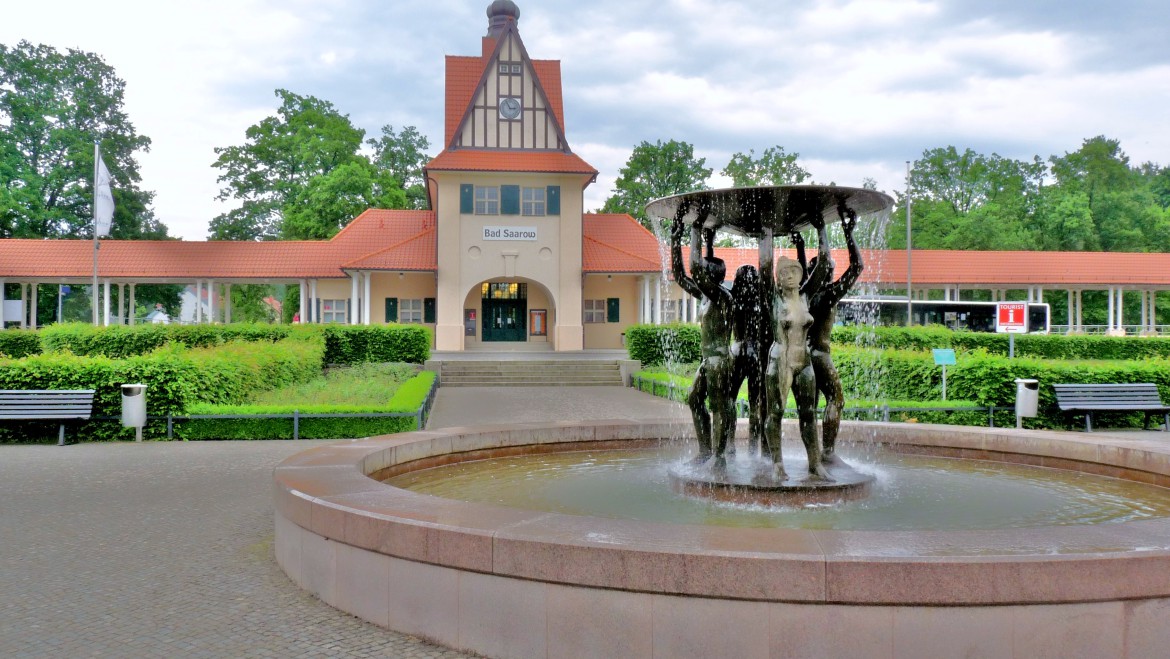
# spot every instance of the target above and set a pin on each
(403, 156)
(653, 171)
(53, 107)
(306, 138)
(774, 167)
(1099, 166)
(328, 202)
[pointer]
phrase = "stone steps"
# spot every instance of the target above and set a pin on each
(530, 373)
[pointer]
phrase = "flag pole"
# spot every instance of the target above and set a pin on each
(96, 156)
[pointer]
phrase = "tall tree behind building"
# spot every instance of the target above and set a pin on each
(656, 170)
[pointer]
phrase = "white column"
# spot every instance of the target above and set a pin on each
(198, 318)
(304, 296)
(211, 315)
(133, 306)
(1120, 309)
(1080, 304)
(1144, 323)
(2, 282)
(657, 311)
(227, 303)
(644, 313)
(32, 305)
(366, 276)
(1111, 314)
(1070, 309)
(106, 302)
(1153, 310)
(353, 297)
(121, 304)
(23, 305)
(313, 301)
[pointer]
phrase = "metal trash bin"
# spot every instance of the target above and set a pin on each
(1027, 399)
(134, 408)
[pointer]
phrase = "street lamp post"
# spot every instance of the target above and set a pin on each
(909, 279)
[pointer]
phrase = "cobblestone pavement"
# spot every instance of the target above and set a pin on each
(164, 549)
(159, 550)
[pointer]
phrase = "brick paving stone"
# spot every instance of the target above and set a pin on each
(165, 549)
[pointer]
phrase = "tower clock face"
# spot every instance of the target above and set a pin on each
(509, 107)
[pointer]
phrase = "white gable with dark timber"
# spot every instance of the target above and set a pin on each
(509, 109)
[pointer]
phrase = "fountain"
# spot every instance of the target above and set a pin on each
(518, 580)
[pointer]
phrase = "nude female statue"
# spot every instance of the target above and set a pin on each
(712, 381)
(789, 363)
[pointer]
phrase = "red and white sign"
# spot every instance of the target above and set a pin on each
(1011, 317)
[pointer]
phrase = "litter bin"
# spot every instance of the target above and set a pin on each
(134, 408)
(1027, 399)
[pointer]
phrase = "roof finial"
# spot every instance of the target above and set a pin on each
(499, 13)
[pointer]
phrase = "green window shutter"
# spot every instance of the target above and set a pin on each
(553, 200)
(509, 200)
(392, 310)
(467, 198)
(613, 310)
(429, 310)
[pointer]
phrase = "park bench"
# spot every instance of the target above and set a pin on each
(1090, 398)
(47, 405)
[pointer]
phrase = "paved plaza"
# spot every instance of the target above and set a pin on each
(165, 549)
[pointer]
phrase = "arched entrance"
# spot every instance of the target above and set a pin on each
(507, 312)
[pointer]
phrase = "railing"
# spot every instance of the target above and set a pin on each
(675, 392)
(1130, 330)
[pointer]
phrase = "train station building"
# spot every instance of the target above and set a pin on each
(506, 256)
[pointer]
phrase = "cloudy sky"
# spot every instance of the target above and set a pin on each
(855, 87)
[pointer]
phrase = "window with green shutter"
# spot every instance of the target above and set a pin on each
(553, 199)
(429, 310)
(613, 310)
(509, 200)
(392, 310)
(467, 198)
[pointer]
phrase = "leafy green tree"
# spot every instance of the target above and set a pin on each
(53, 107)
(306, 138)
(402, 155)
(656, 170)
(1098, 167)
(328, 202)
(773, 167)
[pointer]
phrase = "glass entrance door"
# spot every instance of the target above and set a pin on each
(505, 311)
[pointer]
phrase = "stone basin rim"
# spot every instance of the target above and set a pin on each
(327, 491)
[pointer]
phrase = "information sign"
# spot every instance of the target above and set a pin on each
(1011, 317)
(944, 357)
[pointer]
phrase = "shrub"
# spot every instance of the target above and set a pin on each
(18, 343)
(654, 345)
(358, 344)
(1046, 346)
(177, 378)
(127, 340)
(408, 399)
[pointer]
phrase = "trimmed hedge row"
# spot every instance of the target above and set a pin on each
(1044, 346)
(346, 344)
(987, 380)
(176, 377)
(407, 399)
(654, 345)
(17, 343)
(119, 341)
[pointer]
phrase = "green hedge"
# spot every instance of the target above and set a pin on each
(358, 344)
(1045, 346)
(409, 397)
(120, 341)
(654, 345)
(18, 343)
(177, 378)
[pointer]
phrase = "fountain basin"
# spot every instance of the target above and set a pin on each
(510, 582)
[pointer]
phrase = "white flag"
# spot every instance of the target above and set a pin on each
(103, 199)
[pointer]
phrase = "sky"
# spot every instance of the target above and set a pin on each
(857, 88)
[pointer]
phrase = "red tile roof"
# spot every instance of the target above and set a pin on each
(617, 243)
(474, 160)
(371, 232)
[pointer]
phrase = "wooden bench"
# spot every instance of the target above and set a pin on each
(1090, 398)
(47, 405)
